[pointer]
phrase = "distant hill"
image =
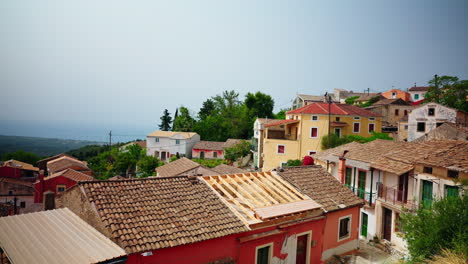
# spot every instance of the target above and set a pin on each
(41, 146)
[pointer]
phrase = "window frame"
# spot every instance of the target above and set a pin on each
(215, 154)
(371, 118)
(416, 96)
(312, 118)
(417, 127)
(397, 112)
(315, 152)
(349, 227)
(277, 149)
(309, 243)
(156, 139)
(310, 135)
(177, 141)
(60, 186)
(357, 118)
(359, 128)
(427, 169)
(368, 127)
(455, 174)
(429, 111)
(337, 119)
(334, 131)
(270, 253)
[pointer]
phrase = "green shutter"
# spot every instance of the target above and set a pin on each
(349, 172)
(451, 191)
(427, 193)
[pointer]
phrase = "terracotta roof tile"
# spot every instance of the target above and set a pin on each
(149, 214)
(282, 122)
(19, 164)
(159, 133)
(226, 169)
(209, 145)
(176, 167)
(419, 88)
(72, 175)
(65, 162)
(322, 187)
(335, 109)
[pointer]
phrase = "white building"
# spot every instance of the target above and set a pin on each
(417, 93)
(164, 144)
(431, 115)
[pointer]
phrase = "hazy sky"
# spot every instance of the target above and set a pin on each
(120, 63)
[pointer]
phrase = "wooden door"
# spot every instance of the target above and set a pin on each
(403, 188)
(387, 224)
(364, 222)
(263, 255)
(163, 155)
(426, 193)
(362, 184)
(202, 154)
(301, 249)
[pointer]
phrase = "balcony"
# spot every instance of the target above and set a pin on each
(395, 197)
(363, 194)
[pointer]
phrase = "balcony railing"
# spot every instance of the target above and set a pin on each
(363, 194)
(395, 196)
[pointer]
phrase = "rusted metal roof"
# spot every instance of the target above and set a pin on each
(56, 236)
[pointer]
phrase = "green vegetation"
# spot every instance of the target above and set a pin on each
(123, 162)
(336, 141)
(23, 156)
(87, 152)
(210, 163)
(183, 122)
(293, 163)
(444, 225)
(237, 151)
(43, 147)
(448, 91)
(371, 101)
(281, 114)
(166, 121)
(350, 100)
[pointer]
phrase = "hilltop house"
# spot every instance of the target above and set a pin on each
(257, 145)
(301, 133)
(17, 194)
(391, 110)
(431, 115)
(164, 144)
(67, 162)
(396, 94)
(42, 164)
(417, 93)
(212, 149)
(18, 170)
(183, 167)
(394, 177)
(247, 218)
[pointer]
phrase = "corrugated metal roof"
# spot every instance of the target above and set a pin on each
(55, 236)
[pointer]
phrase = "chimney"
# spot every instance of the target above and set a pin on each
(49, 200)
(341, 169)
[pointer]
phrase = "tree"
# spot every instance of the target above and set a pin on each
(175, 117)
(207, 109)
(146, 166)
(371, 101)
(184, 122)
(294, 163)
(448, 91)
(350, 100)
(259, 105)
(444, 225)
(281, 114)
(23, 156)
(166, 121)
(237, 151)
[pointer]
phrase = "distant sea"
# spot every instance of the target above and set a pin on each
(74, 130)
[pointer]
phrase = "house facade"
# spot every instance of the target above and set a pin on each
(427, 117)
(301, 134)
(165, 144)
(397, 94)
(391, 110)
(257, 144)
(417, 93)
(18, 194)
(18, 170)
(212, 149)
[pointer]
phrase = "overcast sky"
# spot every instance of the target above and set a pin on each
(121, 63)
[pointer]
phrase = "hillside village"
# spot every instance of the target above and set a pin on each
(294, 192)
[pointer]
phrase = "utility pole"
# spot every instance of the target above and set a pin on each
(436, 84)
(368, 90)
(110, 140)
(328, 98)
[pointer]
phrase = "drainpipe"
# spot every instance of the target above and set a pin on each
(371, 182)
(354, 179)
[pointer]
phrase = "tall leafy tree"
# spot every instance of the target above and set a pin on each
(184, 122)
(259, 105)
(448, 91)
(207, 109)
(166, 121)
(23, 156)
(175, 117)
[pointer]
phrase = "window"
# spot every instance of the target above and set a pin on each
(393, 95)
(356, 127)
(431, 112)
(23, 204)
(312, 152)
(421, 127)
(371, 118)
(452, 174)
(314, 132)
(280, 149)
(177, 141)
(344, 227)
(427, 170)
(10, 192)
(61, 188)
(405, 113)
(156, 140)
(371, 127)
(416, 96)
(338, 132)
(397, 112)
(215, 154)
(337, 119)
(406, 127)
(357, 118)
(451, 191)
(314, 118)
(264, 254)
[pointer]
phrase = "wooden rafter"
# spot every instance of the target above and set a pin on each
(262, 189)
(266, 189)
(239, 196)
(264, 196)
(240, 188)
(285, 190)
(278, 194)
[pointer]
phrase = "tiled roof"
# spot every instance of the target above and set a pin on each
(16, 181)
(226, 169)
(176, 167)
(72, 175)
(316, 98)
(20, 165)
(446, 131)
(336, 109)
(322, 187)
(231, 142)
(159, 133)
(418, 88)
(266, 120)
(209, 145)
(63, 236)
(161, 212)
(397, 101)
(338, 151)
(282, 122)
(55, 157)
(117, 178)
(367, 97)
(63, 163)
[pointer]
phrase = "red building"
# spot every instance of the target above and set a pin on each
(212, 149)
(244, 218)
(18, 170)
(66, 162)
(58, 183)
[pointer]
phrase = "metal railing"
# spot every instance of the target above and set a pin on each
(395, 196)
(369, 197)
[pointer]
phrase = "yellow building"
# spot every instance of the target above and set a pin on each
(301, 133)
